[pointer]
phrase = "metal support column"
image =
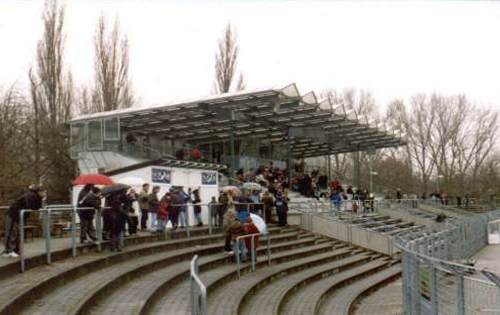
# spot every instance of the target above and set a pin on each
(231, 142)
(329, 165)
(357, 179)
(289, 166)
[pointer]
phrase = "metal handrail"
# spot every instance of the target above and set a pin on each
(46, 230)
(209, 207)
(252, 236)
(198, 300)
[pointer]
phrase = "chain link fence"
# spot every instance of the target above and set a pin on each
(433, 283)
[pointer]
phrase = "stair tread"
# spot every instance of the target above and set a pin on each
(340, 302)
(304, 301)
(129, 299)
(171, 303)
(267, 298)
(226, 300)
(18, 284)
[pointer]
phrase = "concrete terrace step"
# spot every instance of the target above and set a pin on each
(35, 251)
(153, 257)
(386, 300)
(164, 282)
(342, 301)
(264, 299)
(303, 300)
(20, 288)
(226, 299)
(172, 303)
(139, 294)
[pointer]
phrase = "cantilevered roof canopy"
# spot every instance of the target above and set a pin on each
(315, 127)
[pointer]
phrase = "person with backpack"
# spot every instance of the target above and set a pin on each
(117, 216)
(89, 199)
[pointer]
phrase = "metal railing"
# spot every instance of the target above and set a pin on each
(198, 290)
(4, 209)
(210, 208)
(48, 211)
(252, 249)
(46, 227)
(433, 281)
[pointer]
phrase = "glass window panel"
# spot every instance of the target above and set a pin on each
(77, 139)
(112, 129)
(94, 129)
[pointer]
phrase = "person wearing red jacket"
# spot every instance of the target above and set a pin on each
(250, 228)
(163, 212)
(195, 154)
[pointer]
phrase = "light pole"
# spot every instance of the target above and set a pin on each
(438, 177)
(372, 173)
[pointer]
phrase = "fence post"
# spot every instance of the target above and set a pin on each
(434, 290)
(48, 236)
(405, 275)
(187, 220)
(210, 220)
(460, 295)
(73, 230)
(416, 295)
(268, 249)
(98, 227)
(237, 255)
(21, 238)
(252, 251)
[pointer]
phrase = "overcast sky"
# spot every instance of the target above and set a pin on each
(393, 49)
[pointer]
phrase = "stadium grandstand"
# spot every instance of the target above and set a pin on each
(364, 256)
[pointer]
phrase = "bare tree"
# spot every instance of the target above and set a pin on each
(360, 104)
(13, 134)
(51, 89)
(226, 62)
(112, 88)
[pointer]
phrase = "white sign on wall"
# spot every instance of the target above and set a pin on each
(161, 176)
(209, 178)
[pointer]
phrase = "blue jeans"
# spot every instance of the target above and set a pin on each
(154, 221)
(183, 218)
(160, 225)
(242, 250)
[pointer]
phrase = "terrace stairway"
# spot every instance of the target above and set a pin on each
(309, 274)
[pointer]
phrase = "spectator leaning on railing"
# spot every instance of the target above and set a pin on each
(31, 200)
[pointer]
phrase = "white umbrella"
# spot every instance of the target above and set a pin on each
(252, 186)
(233, 190)
(132, 181)
(259, 223)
